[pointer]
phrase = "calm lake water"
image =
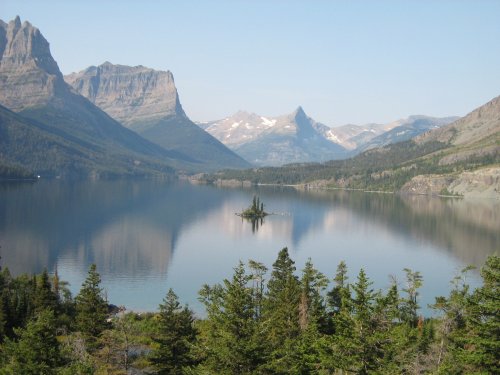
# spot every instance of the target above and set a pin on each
(146, 237)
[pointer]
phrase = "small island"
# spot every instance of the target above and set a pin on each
(255, 211)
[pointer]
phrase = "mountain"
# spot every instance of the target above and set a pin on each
(49, 152)
(260, 139)
(461, 158)
(32, 85)
(353, 136)
(476, 135)
(405, 129)
(146, 101)
(292, 138)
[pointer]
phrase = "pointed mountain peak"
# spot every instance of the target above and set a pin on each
(26, 53)
(298, 114)
(299, 111)
(16, 22)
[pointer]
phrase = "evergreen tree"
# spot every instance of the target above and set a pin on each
(44, 297)
(367, 335)
(91, 308)
(481, 344)
(312, 307)
(258, 270)
(37, 350)
(409, 305)
(339, 297)
(281, 313)
(234, 346)
(175, 337)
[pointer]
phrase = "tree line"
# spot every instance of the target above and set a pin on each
(259, 321)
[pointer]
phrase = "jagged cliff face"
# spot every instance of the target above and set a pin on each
(29, 76)
(135, 96)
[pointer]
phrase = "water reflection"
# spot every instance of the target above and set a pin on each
(146, 234)
(127, 228)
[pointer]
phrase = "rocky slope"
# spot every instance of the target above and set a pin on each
(134, 96)
(29, 76)
(32, 85)
(480, 183)
(292, 138)
(146, 101)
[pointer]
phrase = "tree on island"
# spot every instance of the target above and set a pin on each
(255, 211)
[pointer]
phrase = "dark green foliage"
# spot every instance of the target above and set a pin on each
(283, 326)
(175, 338)
(386, 169)
(54, 141)
(480, 349)
(45, 297)
(233, 343)
(255, 211)
(91, 308)
(9, 171)
(37, 350)
(280, 314)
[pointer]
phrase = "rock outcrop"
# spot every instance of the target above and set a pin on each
(146, 101)
(481, 183)
(134, 96)
(29, 76)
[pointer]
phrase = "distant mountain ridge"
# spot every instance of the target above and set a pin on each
(263, 140)
(458, 159)
(146, 101)
(291, 138)
(405, 130)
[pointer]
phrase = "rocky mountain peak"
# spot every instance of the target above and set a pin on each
(299, 112)
(130, 94)
(30, 76)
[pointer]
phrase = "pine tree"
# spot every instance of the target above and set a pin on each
(44, 298)
(481, 349)
(366, 327)
(233, 344)
(91, 308)
(409, 305)
(339, 297)
(175, 337)
(281, 313)
(37, 350)
(312, 307)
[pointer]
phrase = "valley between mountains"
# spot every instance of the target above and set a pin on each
(114, 121)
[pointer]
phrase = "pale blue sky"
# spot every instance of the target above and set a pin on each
(343, 61)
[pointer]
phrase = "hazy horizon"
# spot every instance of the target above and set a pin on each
(343, 62)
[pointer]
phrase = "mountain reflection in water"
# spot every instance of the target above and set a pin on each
(146, 236)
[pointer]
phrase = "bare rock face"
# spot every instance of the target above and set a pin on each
(481, 183)
(135, 96)
(29, 76)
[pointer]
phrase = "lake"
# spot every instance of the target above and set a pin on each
(149, 236)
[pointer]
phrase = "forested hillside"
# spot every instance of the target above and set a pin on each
(256, 322)
(439, 157)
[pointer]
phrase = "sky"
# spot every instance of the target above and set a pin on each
(342, 61)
